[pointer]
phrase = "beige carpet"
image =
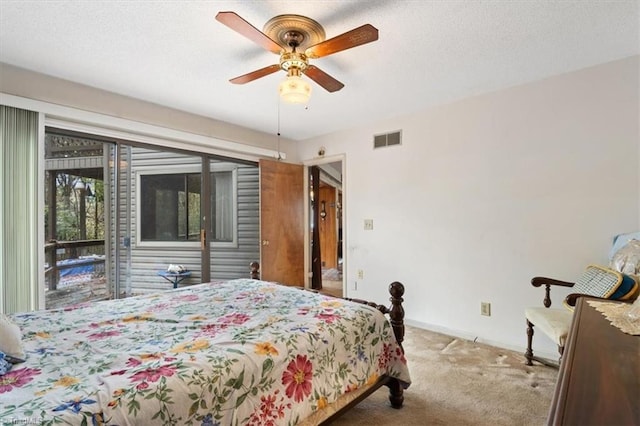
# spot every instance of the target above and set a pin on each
(458, 382)
(332, 282)
(332, 288)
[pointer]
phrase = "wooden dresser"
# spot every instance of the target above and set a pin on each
(599, 378)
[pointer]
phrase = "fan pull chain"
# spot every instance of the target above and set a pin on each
(279, 156)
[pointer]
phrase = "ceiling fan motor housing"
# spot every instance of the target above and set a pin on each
(294, 60)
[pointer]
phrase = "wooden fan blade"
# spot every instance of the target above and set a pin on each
(356, 37)
(329, 83)
(254, 75)
(236, 23)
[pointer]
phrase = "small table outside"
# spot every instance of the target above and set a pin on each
(174, 277)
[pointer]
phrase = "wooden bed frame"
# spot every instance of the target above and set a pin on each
(396, 319)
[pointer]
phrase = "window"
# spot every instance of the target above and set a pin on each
(170, 206)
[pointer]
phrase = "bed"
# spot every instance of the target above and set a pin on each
(222, 353)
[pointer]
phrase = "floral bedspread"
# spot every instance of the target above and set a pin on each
(222, 353)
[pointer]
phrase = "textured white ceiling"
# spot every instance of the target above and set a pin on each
(175, 53)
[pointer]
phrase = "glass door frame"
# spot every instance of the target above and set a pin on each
(205, 219)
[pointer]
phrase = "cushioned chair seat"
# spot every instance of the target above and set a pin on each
(555, 323)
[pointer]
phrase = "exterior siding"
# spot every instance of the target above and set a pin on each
(140, 264)
(230, 263)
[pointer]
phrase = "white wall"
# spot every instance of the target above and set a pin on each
(485, 193)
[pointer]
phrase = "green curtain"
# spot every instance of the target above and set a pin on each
(19, 177)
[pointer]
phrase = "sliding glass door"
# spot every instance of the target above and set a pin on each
(186, 211)
(75, 246)
(162, 210)
(122, 219)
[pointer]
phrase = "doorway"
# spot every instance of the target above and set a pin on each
(326, 233)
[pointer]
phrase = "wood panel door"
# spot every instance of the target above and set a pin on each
(328, 226)
(282, 222)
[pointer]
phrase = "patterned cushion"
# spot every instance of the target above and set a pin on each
(629, 288)
(604, 282)
(598, 281)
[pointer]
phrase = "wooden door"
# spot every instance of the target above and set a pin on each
(282, 222)
(327, 225)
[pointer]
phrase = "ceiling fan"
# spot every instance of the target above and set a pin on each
(296, 39)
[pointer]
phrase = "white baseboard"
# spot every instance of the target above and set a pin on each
(468, 336)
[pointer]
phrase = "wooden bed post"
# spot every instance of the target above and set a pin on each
(396, 317)
(396, 313)
(255, 270)
(396, 393)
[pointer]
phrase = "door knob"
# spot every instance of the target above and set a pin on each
(265, 242)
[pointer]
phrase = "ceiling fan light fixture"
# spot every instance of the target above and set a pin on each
(295, 90)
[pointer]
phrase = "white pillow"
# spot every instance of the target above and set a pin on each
(11, 339)
(627, 258)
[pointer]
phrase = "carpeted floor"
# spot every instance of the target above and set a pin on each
(332, 282)
(332, 288)
(458, 382)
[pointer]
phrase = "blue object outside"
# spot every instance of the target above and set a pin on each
(81, 266)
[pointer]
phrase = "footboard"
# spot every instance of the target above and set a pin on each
(395, 312)
(396, 319)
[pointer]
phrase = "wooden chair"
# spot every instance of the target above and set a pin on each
(596, 281)
(553, 322)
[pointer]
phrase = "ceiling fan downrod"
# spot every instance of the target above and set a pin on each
(294, 62)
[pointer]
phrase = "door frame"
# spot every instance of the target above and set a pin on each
(307, 238)
(205, 219)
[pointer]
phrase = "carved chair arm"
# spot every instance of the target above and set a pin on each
(538, 281)
(548, 282)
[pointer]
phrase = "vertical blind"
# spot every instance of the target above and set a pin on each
(19, 177)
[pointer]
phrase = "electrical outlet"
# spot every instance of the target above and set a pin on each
(485, 309)
(368, 224)
(360, 274)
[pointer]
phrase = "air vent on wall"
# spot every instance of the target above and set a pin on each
(388, 139)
